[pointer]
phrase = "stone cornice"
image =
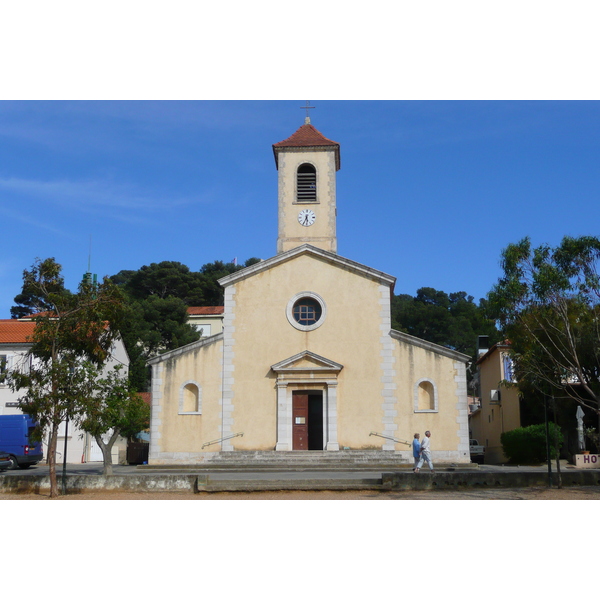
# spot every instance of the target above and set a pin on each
(307, 249)
(290, 364)
(414, 341)
(184, 349)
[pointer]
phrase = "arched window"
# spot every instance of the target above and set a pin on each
(306, 184)
(190, 399)
(426, 399)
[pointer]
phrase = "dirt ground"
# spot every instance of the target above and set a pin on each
(571, 493)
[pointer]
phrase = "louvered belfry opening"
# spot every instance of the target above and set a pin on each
(307, 183)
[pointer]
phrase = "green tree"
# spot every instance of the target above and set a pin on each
(174, 279)
(212, 272)
(74, 331)
(450, 320)
(32, 298)
(154, 325)
(158, 297)
(547, 303)
(166, 279)
(112, 407)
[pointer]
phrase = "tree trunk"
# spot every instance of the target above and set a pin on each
(107, 451)
(52, 460)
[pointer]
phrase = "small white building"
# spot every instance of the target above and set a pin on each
(207, 320)
(15, 336)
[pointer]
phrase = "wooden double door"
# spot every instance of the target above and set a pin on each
(307, 420)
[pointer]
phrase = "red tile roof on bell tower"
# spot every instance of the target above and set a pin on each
(307, 137)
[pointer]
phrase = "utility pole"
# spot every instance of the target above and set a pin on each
(548, 459)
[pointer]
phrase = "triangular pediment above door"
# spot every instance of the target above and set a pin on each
(307, 361)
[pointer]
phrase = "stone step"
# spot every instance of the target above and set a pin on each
(311, 455)
(298, 461)
(308, 458)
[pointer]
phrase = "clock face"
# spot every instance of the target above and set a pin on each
(306, 217)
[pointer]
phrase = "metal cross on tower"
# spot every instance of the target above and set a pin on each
(307, 108)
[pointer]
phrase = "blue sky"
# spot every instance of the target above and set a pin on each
(429, 191)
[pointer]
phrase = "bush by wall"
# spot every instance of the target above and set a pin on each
(527, 445)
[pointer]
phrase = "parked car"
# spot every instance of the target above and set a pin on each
(477, 452)
(5, 461)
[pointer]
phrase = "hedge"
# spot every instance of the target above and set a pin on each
(527, 445)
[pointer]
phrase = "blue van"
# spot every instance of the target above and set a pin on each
(15, 439)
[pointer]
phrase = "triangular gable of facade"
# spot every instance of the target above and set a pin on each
(307, 361)
(430, 346)
(322, 255)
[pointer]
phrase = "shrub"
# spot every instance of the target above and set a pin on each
(527, 445)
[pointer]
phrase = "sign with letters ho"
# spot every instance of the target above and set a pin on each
(587, 461)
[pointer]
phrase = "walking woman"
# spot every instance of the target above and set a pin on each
(416, 448)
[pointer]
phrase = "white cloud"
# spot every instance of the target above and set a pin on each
(25, 217)
(91, 196)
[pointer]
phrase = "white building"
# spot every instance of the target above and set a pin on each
(207, 320)
(15, 336)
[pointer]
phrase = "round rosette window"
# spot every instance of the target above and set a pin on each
(306, 311)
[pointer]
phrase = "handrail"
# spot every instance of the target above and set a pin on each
(222, 439)
(387, 437)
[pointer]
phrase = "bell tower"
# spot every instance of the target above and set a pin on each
(307, 163)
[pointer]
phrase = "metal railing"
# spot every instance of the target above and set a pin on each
(222, 439)
(388, 437)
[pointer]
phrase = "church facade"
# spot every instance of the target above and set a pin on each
(307, 359)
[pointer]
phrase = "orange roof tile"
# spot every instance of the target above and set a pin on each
(146, 397)
(307, 137)
(16, 332)
(205, 310)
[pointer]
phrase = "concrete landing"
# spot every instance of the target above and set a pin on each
(88, 478)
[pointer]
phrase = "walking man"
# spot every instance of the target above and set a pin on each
(425, 453)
